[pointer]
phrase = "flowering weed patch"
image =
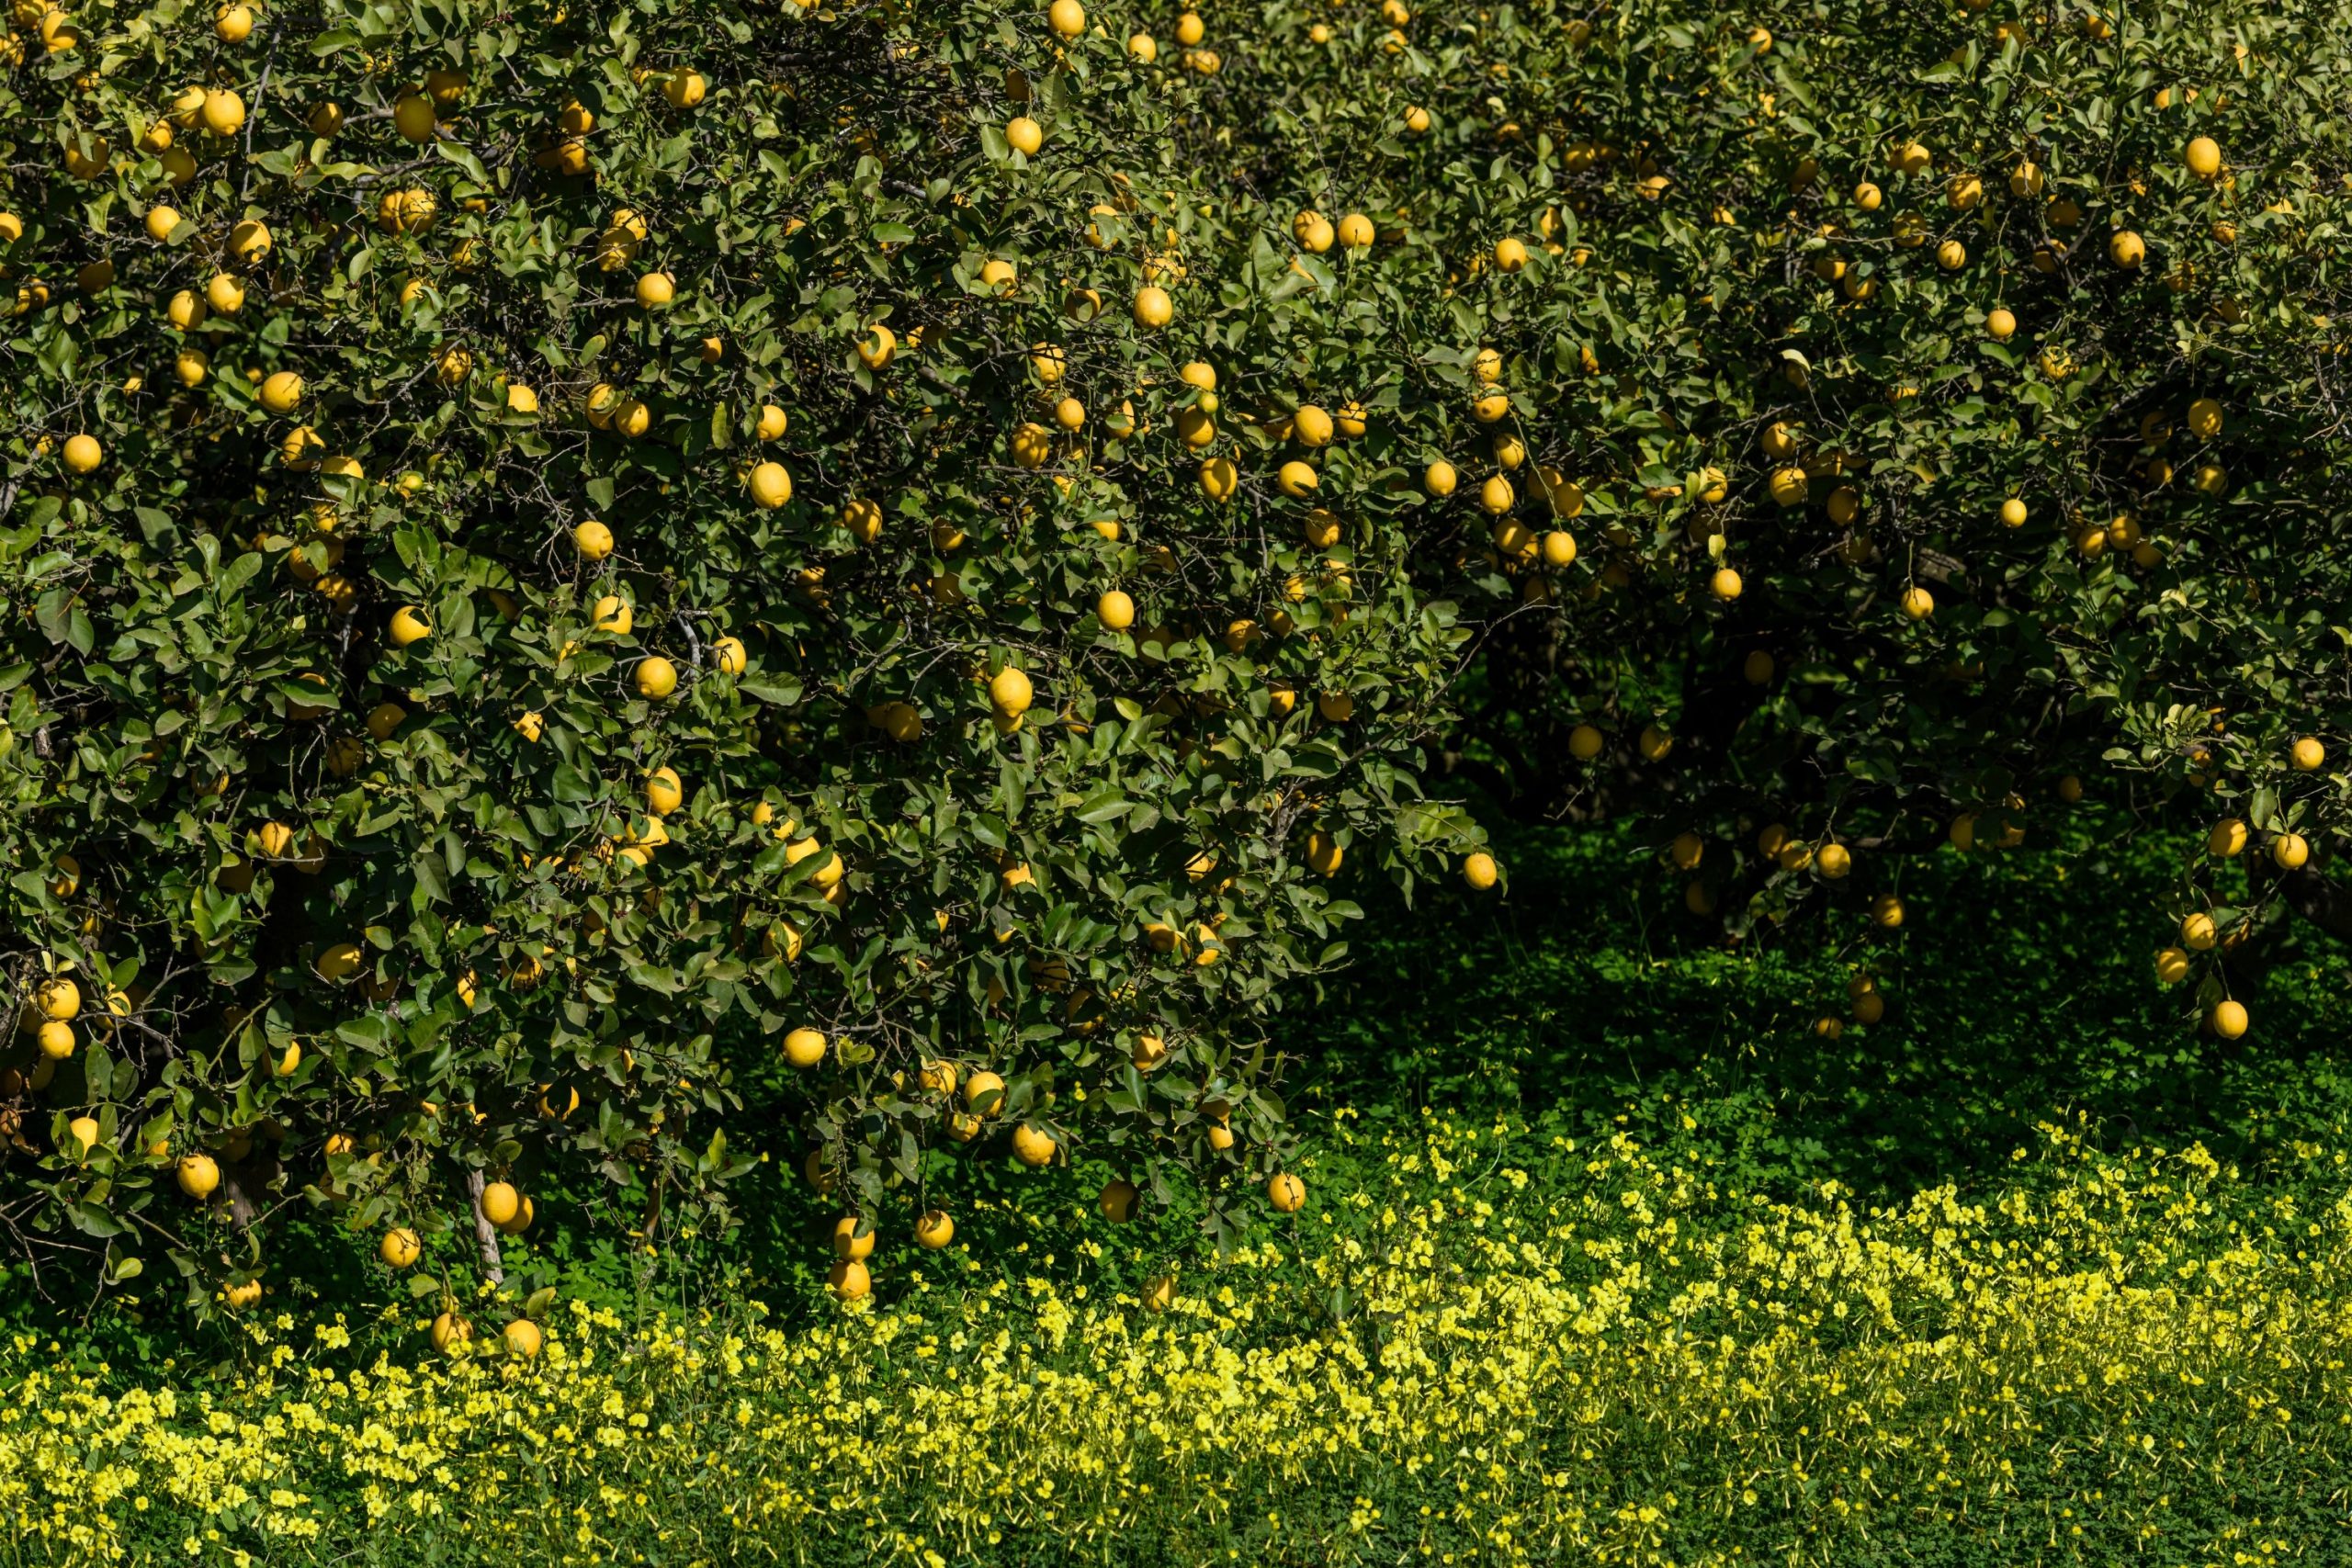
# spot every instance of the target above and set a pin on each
(1480, 1345)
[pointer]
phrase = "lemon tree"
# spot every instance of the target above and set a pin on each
(1856, 433)
(564, 563)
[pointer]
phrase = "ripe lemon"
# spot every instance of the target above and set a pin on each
(2227, 840)
(2126, 249)
(804, 1047)
(409, 626)
(82, 453)
(2172, 966)
(1725, 584)
(399, 1247)
(1286, 1192)
(1025, 135)
(2204, 156)
(849, 1280)
(1296, 480)
(2289, 851)
(1918, 603)
(983, 1093)
(1439, 479)
(592, 540)
(1559, 547)
(771, 485)
(199, 1175)
(2306, 755)
(727, 653)
(1496, 495)
(161, 222)
(850, 1242)
(2229, 1019)
(663, 792)
(655, 290)
(656, 678)
(1479, 871)
(1115, 610)
(1324, 853)
(2198, 933)
(223, 112)
(772, 422)
(1068, 18)
(685, 89)
(2205, 419)
(1152, 307)
(1510, 254)
(1031, 1145)
(936, 1229)
(521, 1337)
(2001, 323)
(1010, 691)
(1356, 232)
(1585, 742)
(1118, 1201)
(501, 1203)
(1032, 445)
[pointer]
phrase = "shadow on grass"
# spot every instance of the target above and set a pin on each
(2021, 989)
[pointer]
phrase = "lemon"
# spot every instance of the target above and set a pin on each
(771, 485)
(223, 112)
(280, 391)
(413, 116)
(1010, 691)
(853, 1239)
(656, 678)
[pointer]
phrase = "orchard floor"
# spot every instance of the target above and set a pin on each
(1610, 1257)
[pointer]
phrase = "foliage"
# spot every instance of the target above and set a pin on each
(583, 571)
(1952, 403)
(1525, 1349)
(1037, 490)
